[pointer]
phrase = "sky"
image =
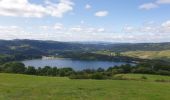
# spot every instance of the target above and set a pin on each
(133, 21)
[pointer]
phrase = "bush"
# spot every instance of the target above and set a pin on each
(144, 77)
(14, 67)
(98, 76)
(65, 71)
(162, 80)
(79, 76)
(31, 70)
(143, 70)
(163, 72)
(119, 77)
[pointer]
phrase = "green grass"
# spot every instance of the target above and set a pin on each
(149, 78)
(24, 87)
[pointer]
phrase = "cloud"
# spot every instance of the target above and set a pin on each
(101, 13)
(163, 1)
(149, 32)
(57, 26)
(85, 29)
(166, 24)
(23, 8)
(162, 28)
(76, 29)
(148, 6)
(100, 30)
(11, 32)
(128, 29)
(165, 27)
(88, 6)
(9, 29)
(152, 5)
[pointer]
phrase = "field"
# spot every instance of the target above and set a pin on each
(25, 87)
(164, 54)
(149, 54)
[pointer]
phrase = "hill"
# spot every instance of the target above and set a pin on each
(49, 47)
(12, 50)
(163, 54)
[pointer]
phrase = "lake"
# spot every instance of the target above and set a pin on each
(75, 64)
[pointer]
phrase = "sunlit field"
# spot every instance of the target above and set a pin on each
(25, 87)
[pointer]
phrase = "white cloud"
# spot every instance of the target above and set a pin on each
(9, 29)
(166, 24)
(11, 32)
(100, 30)
(44, 27)
(152, 5)
(153, 32)
(165, 27)
(58, 26)
(23, 8)
(163, 1)
(85, 29)
(76, 29)
(101, 13)
(162, 28)
(128, 29)
(88, 6)
(148, 6)
(148, 29)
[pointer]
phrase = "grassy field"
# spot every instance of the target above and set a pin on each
(148, 54)
(24, 87)
(144, 77)
(165, 54)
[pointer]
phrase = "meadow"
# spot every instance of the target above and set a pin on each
(27, 87)
(164, 54)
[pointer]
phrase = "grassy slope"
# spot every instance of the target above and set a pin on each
(164, 54)
(148, 54)
(24, 87)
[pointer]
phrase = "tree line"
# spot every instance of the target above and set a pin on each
(158, 68)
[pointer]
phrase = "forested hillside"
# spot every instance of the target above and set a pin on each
(36, 46)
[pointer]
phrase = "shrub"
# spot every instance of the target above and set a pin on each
(79, 76)
(162, 80)
(98, 76)
(144, 77)
(119, 77)
(30, 70)
(163, 72)
(14, 67)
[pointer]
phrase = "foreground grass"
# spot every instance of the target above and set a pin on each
(24, 87)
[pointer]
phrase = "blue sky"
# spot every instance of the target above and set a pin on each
(86, 20)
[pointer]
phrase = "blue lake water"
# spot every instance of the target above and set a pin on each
(75, 64)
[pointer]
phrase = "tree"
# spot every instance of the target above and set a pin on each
(126, 68)
(100, 70)
(14, 67)
(30, 70)
(54, 71)
(46, 70)
(98, 76)
(65, 71)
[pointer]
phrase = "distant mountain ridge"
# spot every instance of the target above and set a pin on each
(48, 47)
